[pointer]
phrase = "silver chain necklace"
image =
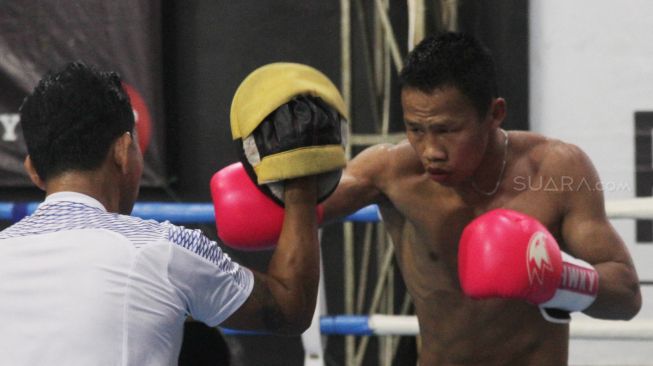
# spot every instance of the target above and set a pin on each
(503, 167)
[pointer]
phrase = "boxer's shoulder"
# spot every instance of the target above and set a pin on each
(388, 161)
(545, 155)
(383, 167)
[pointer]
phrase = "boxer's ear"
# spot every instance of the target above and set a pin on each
(33, 175)
(497, 112)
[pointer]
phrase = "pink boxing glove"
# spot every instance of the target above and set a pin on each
(246, 218)
(508, 254)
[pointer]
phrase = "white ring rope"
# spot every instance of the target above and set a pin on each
(631, 208)
(593, 329)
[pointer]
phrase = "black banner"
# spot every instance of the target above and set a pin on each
(119, 35)
(644, 169)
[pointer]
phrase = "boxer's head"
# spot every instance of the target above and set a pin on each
(450, 104)
(452, 60)
(74, 118)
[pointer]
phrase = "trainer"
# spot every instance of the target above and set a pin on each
(83, 284)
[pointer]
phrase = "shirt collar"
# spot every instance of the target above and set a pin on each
(73, 197)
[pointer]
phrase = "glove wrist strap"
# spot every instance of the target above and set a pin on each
(579, 284)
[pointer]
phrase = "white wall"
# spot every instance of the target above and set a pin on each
(591, 68)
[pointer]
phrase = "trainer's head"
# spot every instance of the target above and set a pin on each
(72, 121)
(452, 60)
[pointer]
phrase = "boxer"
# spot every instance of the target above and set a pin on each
(492, 264)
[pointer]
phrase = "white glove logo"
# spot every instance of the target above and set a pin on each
(537, 258)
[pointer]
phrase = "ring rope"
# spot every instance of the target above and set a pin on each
(632, 208)
(407, 325)
(383, 324)
(181, 213)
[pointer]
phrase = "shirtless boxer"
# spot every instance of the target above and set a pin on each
(457, 164)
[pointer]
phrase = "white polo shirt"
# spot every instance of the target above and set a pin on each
(81, 286)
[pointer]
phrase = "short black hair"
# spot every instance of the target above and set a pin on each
(451, 59)
(72, 117)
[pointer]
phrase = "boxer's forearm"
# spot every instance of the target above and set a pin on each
(619, 296)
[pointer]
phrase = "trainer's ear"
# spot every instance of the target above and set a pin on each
(33, 175)
(121, 151)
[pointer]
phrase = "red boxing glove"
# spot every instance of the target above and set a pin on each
(508, 254)
(246, 218)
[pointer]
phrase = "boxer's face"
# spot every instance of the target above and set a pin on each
(446, 133)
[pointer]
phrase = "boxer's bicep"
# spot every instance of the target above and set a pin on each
(586, 231)
(588, 234)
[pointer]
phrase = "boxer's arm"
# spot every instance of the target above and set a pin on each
(588, 235)
(283, 298)
(360, 183)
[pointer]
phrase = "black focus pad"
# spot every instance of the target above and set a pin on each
(303, 121)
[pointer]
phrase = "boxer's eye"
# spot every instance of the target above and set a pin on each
(414, 128)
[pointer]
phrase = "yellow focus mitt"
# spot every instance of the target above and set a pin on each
(288, 121)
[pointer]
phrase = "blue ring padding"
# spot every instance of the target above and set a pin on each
(329, 325)
(6, 210)
(19, 211)
(366, 214)
(14, 211)
(345, 325)
(232, 332)
(179, 213)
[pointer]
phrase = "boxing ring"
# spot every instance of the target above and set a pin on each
(375, 324)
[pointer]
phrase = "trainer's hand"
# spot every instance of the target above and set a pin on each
(247, 219)
(508, 254)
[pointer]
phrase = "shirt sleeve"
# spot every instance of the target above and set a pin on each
(208, 281)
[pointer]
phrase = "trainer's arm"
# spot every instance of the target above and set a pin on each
(283, 299)
(588, 234)
(360, 183)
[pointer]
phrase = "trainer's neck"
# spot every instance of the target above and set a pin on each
(94, 183)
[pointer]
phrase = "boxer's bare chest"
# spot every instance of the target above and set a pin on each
(426, 220)
(425, 225)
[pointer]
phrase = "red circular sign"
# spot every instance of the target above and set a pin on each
(141, 116)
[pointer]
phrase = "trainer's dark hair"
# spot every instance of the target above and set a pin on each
(452, 60)
(72, 117)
